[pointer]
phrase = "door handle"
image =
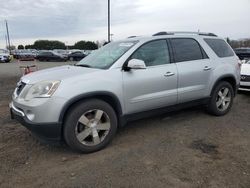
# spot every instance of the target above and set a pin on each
(206, 68)
(167, 74)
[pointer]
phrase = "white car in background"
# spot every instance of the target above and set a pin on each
(4, 56)
(245, 76)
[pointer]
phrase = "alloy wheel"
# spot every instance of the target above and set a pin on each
(92, 127)
(223, 99)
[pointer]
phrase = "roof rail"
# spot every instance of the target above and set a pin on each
(161, 33)
(184, 32)
(131, 37)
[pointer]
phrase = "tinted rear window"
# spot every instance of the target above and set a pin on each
(186, 49)
(220, 47)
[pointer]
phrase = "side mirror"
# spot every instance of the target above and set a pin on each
(136, 64)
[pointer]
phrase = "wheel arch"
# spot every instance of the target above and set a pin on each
(108, 97)
(228, 78)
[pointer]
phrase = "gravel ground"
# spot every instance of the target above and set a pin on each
(188, 148)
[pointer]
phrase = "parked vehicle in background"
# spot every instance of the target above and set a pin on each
(125, 80)
(245, 76)
(243, 53)
(50, 56)
(26, 55)
(63, 53)
(76, 56)
(5, 57)
(87, 52)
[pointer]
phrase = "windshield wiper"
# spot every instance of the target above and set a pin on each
(82, 65)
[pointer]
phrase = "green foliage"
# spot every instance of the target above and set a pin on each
(48, 45)
(29, 46)
(20, 47)
(53, 44)
(85, 45)
(239, 43)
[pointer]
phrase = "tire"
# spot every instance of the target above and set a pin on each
(71, 59)
(221, 99)
(85, 131)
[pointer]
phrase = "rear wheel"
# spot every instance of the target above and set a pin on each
(221, 99)
(90, 126)
(71, 59)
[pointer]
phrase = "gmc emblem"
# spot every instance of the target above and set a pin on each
(243, 77)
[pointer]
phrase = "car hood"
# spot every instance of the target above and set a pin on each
(245, 69)
(56, 73)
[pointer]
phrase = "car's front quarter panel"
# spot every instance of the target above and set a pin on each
(48, 110)
(104, 81)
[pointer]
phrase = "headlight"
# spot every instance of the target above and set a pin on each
(42, 89)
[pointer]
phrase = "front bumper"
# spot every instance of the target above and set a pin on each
(244, 86)
(50, 132)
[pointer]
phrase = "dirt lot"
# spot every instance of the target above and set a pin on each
(185, 149)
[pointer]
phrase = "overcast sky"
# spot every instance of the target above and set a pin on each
(73, 20)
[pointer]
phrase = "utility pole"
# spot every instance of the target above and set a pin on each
(6, 41)
(8, 36)
(109, 21)
(111, 35)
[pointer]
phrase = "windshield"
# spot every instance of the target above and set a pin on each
(106, 56)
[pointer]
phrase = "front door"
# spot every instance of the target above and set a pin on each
(155, 86)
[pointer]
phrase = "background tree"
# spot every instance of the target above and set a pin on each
(48, 45)
(85, 45)
(243, 43)
(91, 46)
(20, 47)
(29, 46)
(54, 44)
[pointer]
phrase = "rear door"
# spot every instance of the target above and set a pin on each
(194, 69)
(155, 86)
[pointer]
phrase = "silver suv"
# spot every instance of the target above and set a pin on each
(84, 104)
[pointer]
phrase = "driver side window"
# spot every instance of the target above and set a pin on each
(153, 53)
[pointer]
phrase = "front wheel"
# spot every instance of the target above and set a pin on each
(90, 126)
(221, 99)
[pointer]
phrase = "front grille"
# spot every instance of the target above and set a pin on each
(20, 87)
(245, 78)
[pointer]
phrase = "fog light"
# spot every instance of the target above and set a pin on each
(30, 115)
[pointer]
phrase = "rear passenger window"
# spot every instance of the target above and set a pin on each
(220, 47)
(186, 49)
